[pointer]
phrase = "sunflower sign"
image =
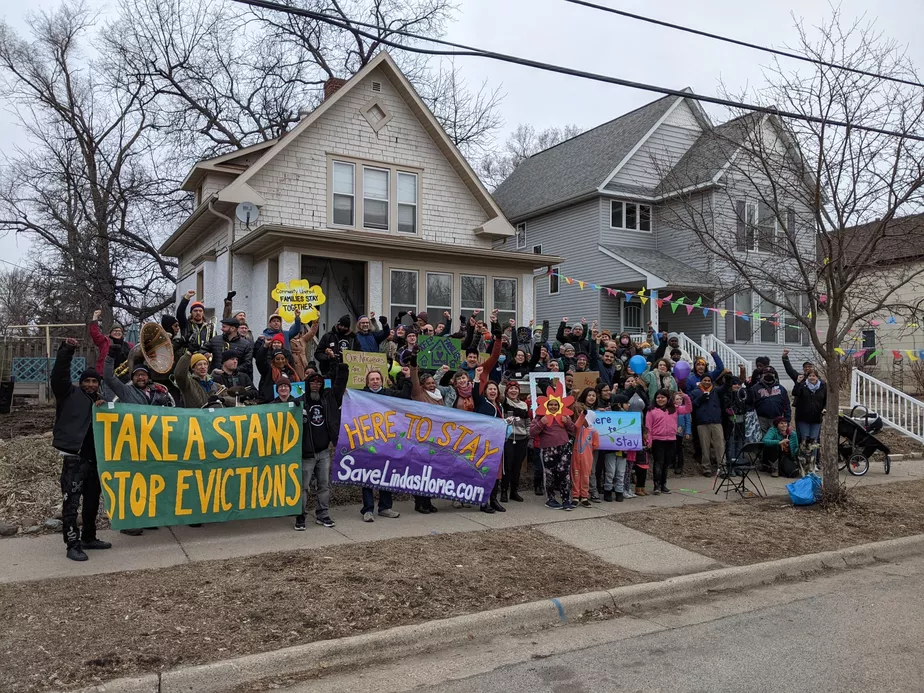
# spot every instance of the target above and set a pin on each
(552, 392)
(298, 296)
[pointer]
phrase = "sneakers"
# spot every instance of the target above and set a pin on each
(596, 499)
(368, 517)
(665, 489)
(628, 493)
(656, 491)
(75, 553)
(608, 496)
(488, 509)
(586, 503)
(552, 503)
(389, 513)
(95, 544)
(129, 532)
(325, 521)
(567, 505)
(300, 523)
(620, 497)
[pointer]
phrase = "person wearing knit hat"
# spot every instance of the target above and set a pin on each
(194, 328)
(283, 390)
(191, 374)
(274, 327)
(516, 413)
(73, 437)
(116, 336)
(332, 345)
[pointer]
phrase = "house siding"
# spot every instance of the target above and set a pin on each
(658, 155)
(295, 182)
(617, 238)
(675, 229)
(214, 240)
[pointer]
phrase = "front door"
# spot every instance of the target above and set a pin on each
(344, 286)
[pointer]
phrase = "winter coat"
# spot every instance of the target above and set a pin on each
(403, 391)
(293, 331)
(331, 403)
(153, 395)
(102, 343)
(684, 425)
(773, 438)
(73, 430)
(693, 379)
(194, 395)
(581, 346)
(519, 429)
(341, 343)
(771, 401)
(483, 406)
(237, 380)
(242, 347)
(661, 424)
(809, 405)
(707, 405)
(197, 336)
(655, 382)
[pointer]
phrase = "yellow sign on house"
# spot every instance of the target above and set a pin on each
(298, 296)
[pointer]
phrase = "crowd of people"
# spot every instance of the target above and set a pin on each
(679, 398)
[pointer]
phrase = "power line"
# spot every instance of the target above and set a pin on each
(738, 42)
(469, 51)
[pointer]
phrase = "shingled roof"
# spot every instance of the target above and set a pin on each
(902, 241)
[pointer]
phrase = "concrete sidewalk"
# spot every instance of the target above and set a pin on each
(38, 558)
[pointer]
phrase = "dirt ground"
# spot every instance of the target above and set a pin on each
(25, 420)
(80, 631)
(756, 530)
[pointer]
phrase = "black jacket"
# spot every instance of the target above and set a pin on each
(341, 342)
(242, 347)
(331, 402)
(581, 346)
(809, 405)
(402, 392)
(483, 406)
(197, 337)
(73, 430)
(242, 383)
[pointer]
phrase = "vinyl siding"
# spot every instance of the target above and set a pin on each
(676, 225)
(620, 237)
(657, 156)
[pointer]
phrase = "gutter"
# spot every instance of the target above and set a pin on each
(230, 242)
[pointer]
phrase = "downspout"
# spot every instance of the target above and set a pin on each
(230, 242)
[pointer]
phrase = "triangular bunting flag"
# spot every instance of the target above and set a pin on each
(568, 279)
(823, 298)
(641, 292)
(594, 287)
(897, 355)
(809, 316)
(699, 302)
(723, 312)
(875, 323)
(681, 300)
(874, 354)
(644, 299)
(674, 305)
(892, 320)
(706, 312)
(659, 301)
(746, 318)
(629, 295)
(838, 350)
(668, 297)
(689, 309)
(859, 354)
(912, 356)
(581, 284)
(611, 292)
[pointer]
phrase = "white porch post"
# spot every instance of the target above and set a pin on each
(653, 311)
(526, 296)
(242, 282)
(375, 289)
(260, 291)
(290, 265)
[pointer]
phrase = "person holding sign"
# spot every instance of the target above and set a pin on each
(489, 405)
(73, 438)
(516, 411)
(552, 434)
(424, 389)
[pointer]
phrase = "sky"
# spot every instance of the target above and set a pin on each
(562, 33)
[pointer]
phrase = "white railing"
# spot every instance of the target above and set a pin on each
(692, 350)
(731, 359)
(898, 410)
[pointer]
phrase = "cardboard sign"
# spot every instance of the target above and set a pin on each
(298, 296)
(360, 363)
(438, 351)
(585, 380)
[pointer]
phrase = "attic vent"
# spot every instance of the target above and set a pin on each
(376, 114)
(376, 86)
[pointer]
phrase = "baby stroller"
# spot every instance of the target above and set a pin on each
(857, 442)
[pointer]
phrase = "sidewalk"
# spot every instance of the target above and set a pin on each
(39, 558)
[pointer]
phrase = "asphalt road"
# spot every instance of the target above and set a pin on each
(858, 630)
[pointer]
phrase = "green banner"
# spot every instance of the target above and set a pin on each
(160, 466)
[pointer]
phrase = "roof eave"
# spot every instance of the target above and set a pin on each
(172, 247)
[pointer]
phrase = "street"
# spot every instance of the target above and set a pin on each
(855, 630)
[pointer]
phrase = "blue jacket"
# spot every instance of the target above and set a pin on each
(693, 379)
(685, 422)
(371, 340)
(293, 331)
(770, 401)
(707, 405)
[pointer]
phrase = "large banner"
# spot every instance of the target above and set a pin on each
(422, 449)
(161, 466)
(619, 430)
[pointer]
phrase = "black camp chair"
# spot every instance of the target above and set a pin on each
(736, 474)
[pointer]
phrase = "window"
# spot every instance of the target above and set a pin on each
(344, 194)
(554, 280)
(632, 318)
(743, 304)
(767, 328)
(766, 228)
(407, 202)
(505, 300)
(869, 343)
(629, 215)
(375, 198)
(521, 236)
(792, 333)
(403, 292)
(472, 293)
(200, 286)
(537, 249)
(439, 295)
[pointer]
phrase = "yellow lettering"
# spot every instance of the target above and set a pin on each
(194, 438)
(216, 424)
(366, 429)
(239, 419)
(242, 472)
(464, 432)
(295, 476)
(279, 485)
(225, 505)
(107, 419)
(488, 450)
(147, 442)
(422, 434)
(266, 486)
(390, 424)
(293, 432)
(274, 430)
(205, 492)
(121, 477)
(127, 435)
(253, 487)
(138, 494)
(471, 449)
(157, 485)
(255, 435)
(166, 422)
(446, 438)
(378, 425)
(104, 479)
(181, 485)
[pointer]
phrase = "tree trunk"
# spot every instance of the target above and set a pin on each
(833, 491)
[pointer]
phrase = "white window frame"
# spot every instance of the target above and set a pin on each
(638, 216)
(334, 193)
(749, 322)
(433, 319)
(752, 225)
(537, 249)
(391, 297)
(521, 235)
(516, 294)
(633, 329)
(484, 294)
(399, 203)
(556, 269)
(388, 173)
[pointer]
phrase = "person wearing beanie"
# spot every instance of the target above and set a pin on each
(332, 345)
(192, 377)
(273, 364)
(116, 337)
(139, 390)
(73, 438)
(781, 448)
(230, 340)
(274, 328)
(238, 386)
(735, 406)
(770, 400)
(576, 337)
(194, 328)
(420, 319)
(283, 391)
(367, 338)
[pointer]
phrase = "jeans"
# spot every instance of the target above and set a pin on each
(79, 477)
(385, 501)
(317, 467)
(615, 478)
(807, 430)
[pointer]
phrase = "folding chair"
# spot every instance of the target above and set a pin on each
(736, 474)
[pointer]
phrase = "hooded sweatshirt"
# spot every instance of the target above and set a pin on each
(661, 424)
(707, 404)
(771, 401)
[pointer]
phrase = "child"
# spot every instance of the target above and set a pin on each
(684, 431)
(661, 434)
(781, 448)
(551, 433)
(615, 478)
(586, 441)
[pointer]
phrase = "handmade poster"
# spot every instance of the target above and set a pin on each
(536, 383)
(360, 363)
(438, 351)
(161, 467)
(298, 296)
(584, 380)
(411, 447)
(619, 430)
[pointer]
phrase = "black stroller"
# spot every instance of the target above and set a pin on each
(857, 442)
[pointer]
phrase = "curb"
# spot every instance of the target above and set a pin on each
(906, 457)
(405, 641)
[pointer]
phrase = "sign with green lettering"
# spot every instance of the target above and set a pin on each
(160, 466)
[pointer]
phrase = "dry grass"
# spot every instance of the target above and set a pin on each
(752, 531)
(30, 490)
(80, 631)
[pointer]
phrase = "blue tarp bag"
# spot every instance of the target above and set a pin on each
(805, 491)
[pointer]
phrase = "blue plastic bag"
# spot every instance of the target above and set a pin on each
(805, 491)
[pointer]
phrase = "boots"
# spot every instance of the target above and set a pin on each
(640, 491)
(494, 504)
(503, 495)
(537, 487)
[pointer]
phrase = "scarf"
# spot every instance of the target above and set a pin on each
(436, 396)
(465, 392)
(813, 388)
(515, 403)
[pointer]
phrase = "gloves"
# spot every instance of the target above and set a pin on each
(231, 294)
(115, 350)
(402, 314)
(383, 320)
(413, 360)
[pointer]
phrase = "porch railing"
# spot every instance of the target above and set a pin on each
(731, 359)
(898, 410)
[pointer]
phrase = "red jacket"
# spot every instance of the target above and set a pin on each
(102, 344)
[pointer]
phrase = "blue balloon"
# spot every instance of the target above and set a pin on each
(637, 364)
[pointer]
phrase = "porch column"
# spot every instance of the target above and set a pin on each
(375, 288)
(653, 311)
(290, 265)
(260, 291)
(527, 296)
(242, 283)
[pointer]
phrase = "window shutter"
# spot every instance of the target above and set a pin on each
(730, 320)
(791, 228)
(741, 235)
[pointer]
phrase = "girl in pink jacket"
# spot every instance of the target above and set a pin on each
(661, 435)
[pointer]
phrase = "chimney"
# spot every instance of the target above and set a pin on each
(332, 85)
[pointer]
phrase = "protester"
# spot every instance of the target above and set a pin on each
(73, 438)
(781, 448)
(238, 386)
(552, 433)
(707, 405)
(700, 368)
(375, 383)
(575, 338)
(283, 387)
(661, 434)
(734, 403)
(425, 389)
(194, 381)
(366, 338)
(770, 400)
(517, 413)
(195, 330)
(588, 400)
(489, 404)
(659, 378)
(586, 443)
(807, 367)
(810, 397)
(230, 340)
(684, 432)
(274, 327)
(273, 363)
(320, 428)
(615, 478)
(334, 343)
(102, 342)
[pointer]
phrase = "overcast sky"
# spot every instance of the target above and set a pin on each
(558, 32)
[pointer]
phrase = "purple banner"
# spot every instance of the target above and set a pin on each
(411, 447)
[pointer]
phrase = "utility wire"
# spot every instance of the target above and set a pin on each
(737, 42)
(469, 51)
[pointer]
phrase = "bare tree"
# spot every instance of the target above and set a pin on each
(494, 167)
(20, 301)
(795, 193)
(85, 191)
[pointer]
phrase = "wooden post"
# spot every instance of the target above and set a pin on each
(653, 302)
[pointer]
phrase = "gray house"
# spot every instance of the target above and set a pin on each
(621, 202)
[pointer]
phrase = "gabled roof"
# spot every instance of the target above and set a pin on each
(902, 240)
(661, 270)
(707, 159)
(578, 166)
(233, 163)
